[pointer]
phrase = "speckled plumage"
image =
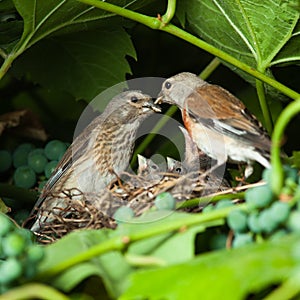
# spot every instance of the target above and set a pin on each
(102, 150)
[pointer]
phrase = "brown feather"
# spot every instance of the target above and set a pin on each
(211, 102)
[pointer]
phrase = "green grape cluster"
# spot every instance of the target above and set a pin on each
(19, 256)
(268, 216)
(31, 164)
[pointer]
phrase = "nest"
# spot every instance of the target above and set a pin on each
(77, 210)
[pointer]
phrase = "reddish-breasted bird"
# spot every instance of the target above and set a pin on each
(102, 150)
(217, 121)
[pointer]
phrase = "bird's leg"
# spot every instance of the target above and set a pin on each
(247, 173)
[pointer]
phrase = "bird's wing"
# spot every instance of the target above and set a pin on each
(75, 151)
(219, 110)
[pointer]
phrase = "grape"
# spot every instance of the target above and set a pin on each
(21, 153)
(266, 175)
(123, 214)
(253, 222)
(291, 173)
(10, 270)
(242, 239)
(293, 222)
(5, 161)
(27, 234)
(224, 203)
(165, 201)
(208, 208)
(237, 221)
(54, 149)
(24, 177)
(50, 167)
(259, 197)
(26, 146)
(37, 151)
(13, 244)
(266, 221)
(280, 211)
(5, 224)
(37, 161)
(278, 234)
(35, 253)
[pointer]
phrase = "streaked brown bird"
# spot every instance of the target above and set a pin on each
(217, 121)
(100, 152)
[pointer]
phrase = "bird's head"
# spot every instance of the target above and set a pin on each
(177, 88)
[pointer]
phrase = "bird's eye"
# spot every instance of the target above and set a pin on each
(168, 85)
(178, 170)
(134, 99)
(154, 167)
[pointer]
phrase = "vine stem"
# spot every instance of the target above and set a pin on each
(158, 24)
(170, 12)
(284, 118)
(33, 291)
(263, 105)
(121, 242)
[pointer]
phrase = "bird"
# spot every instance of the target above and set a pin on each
(96, 156)
(148, 169)
(217, 121)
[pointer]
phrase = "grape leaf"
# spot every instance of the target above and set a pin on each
(81, 49)
(45, 17)
(111, 267)
(252, 31)
(290, 53)
(219, 275)
(82, 64)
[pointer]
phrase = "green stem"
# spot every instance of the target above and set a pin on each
(285, 117)
(170, 12)
(155, 23)
(6, 64)
(121, 242)
(206, 200)
(209, 69)
(228, 58)
(33, 291)
(264, 107)
(3, 53)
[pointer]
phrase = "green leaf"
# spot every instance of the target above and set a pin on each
(220, 275)
(171, 247)
(82, 64)
(111, 267)
(45, 17)
(252, 31)
(290, 53)
(11, 26)
(70, 246)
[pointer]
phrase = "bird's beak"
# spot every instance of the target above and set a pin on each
(151, 105)
(159, 99)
